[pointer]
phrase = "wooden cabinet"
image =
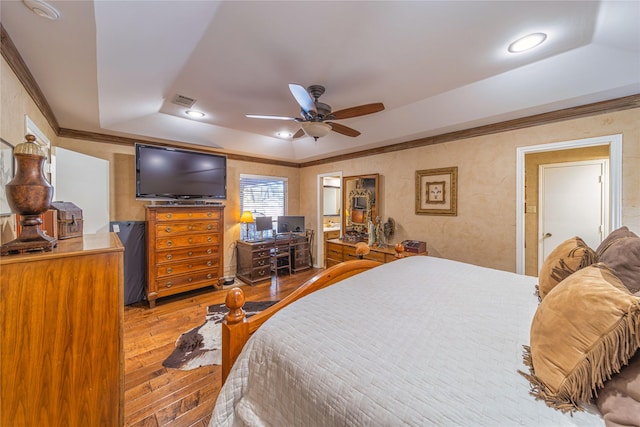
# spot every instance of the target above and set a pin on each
(300, 251)
(253, 261)
(338, 251)
(61, 334)
(184, 249)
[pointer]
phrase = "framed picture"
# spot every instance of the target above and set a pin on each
(6, 174)
(437, 191)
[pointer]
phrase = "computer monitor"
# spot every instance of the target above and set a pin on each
(291, 223)
(264, 223)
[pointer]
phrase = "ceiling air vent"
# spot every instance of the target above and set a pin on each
(184, 101)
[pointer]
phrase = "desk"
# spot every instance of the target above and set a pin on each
(253, 258)
(338, 251)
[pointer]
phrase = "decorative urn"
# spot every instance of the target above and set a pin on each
(29, 194)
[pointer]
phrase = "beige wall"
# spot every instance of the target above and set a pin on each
(483, 233)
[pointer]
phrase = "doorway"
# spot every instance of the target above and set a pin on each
(573, 201)
(614, 144)
(329, 209)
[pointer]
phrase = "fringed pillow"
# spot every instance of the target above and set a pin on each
(623, 257)
(569, 257)
(583, 331)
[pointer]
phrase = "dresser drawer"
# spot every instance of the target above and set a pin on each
(179, 215)
(172, 282)
(350, 253)
(260, 273)
(185, 241)
(171, 229)
(163, 270)
(334, 251)
(187, 253)
(260, 254)
(260, 262)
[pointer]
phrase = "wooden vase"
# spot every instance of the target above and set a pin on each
(29, 194)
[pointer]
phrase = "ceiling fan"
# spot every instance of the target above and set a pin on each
(317, 117)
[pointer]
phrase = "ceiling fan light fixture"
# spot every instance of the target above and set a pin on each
(527, 42)
(284, 134)
(316, 129)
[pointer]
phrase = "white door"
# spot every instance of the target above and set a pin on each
(574, 201)
(84, 181)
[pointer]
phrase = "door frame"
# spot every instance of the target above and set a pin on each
(604, 198)
(615, 183)
(319, 258)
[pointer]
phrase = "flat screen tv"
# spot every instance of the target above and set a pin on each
(170, 173)
(290, 223)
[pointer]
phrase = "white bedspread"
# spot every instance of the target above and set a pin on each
(420, 341)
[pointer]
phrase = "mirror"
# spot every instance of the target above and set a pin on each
(360, 201)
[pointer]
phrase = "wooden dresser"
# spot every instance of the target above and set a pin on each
(184, 249)
(338, 251)
(62, 358)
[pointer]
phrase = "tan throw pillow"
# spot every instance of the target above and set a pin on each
(623, 257)
(583, 331)
(612, 237)
(569, 257)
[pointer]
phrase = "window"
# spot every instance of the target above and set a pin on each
(263, 195)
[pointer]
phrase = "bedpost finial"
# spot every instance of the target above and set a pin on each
(235, 301)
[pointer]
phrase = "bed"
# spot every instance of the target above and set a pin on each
(419, 341)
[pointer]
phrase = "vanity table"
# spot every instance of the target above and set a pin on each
(339, 251)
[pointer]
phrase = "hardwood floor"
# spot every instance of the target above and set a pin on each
(158, 396)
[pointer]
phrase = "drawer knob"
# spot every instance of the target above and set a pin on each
(169, 284)
(190, 227)
(209, 251)
(209, 263)
(190, 214)
(190, 280)
(209, 276)
(190, 253)
(262, 272)
(209, 213)
(169, 270)
(209, 227)
(168, 229)
(168, 215)
(169, 243)
(190, 266)
(190, 240)
(209, 239)
(261, 263)
(169, 256)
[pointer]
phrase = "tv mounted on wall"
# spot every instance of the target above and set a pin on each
(167, 173)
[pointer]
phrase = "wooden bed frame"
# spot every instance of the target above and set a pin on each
(237, 329)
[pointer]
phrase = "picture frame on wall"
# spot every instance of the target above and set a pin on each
(437, 191)
(7, 169)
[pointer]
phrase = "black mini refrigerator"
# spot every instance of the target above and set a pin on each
(132, 236)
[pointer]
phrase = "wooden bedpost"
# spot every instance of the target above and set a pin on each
(235, 330)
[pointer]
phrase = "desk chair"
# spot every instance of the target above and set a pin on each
(280, 253)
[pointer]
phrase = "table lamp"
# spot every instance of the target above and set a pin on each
(246, 218)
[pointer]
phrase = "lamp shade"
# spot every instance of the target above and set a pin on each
(247, 216)
(316, 129)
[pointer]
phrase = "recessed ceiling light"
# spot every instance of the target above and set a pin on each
(527, 42)
(195, 114)
(42, 9)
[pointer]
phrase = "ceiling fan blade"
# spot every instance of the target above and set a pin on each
(298, 134)
(345, 130)
(302, 97)
(360, 110)
(261, 116)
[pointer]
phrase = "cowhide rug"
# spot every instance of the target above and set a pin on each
(200, 346)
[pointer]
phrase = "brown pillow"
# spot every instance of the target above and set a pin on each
(612, 237)
(583, 331)
(619, 399)
(623, 257)
(569, 257)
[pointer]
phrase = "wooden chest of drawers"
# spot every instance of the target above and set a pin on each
(184, 249)
(338, 251)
